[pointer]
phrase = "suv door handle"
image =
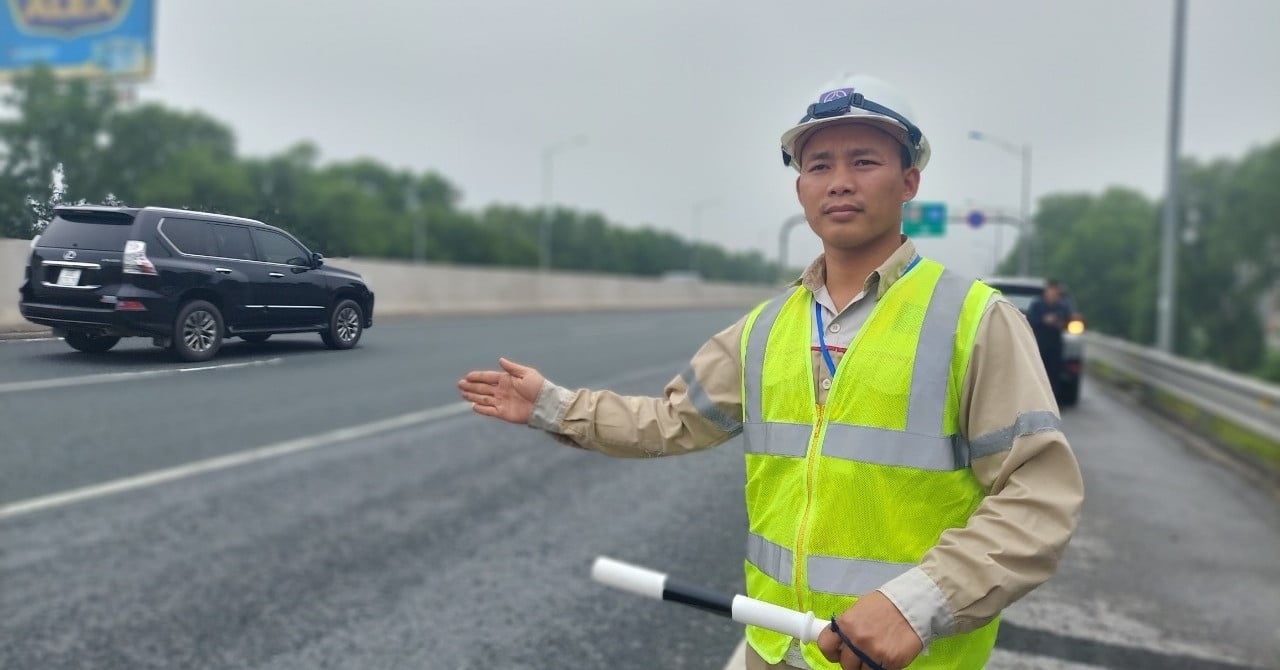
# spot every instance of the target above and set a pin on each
(225, 271)
(277, 275)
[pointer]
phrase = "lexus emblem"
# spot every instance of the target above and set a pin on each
(69, 255)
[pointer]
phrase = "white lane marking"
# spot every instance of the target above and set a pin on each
(738, 660)
(590, 332)
(262, 453)
(1100, 620)
(85, 380)
(1002, 659)
(229, 461)
(29, 339)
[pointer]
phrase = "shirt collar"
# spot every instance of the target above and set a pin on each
(880, 279)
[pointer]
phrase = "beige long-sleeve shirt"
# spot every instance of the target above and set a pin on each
(1013, 540)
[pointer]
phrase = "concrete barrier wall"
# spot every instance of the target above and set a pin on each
(13, 257)
(408, 288)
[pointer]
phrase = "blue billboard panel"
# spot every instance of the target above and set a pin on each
(78, 38)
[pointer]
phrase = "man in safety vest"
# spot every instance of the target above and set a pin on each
(905, 468)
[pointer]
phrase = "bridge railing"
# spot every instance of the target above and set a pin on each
(1232, 409)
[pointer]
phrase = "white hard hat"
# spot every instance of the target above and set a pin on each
(863, 99)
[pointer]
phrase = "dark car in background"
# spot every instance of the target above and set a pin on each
(186, 279)
(1022, 291)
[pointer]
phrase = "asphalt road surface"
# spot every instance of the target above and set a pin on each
(287, 506)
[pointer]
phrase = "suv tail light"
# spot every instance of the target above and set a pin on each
(130, 306)
(135, 259)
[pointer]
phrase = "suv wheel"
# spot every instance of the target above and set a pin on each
(90, 343)
(197, 332)
(346, 324)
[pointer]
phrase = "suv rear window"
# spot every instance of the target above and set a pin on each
(233, 242)
(190, 237)
(101, 232)
(1020, 296)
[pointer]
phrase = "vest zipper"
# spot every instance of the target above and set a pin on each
(799, 570)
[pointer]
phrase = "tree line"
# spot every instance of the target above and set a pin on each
(1104, 246)
(106, 152)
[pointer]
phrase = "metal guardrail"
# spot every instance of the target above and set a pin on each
(1246, 402)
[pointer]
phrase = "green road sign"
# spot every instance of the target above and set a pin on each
(924, 219)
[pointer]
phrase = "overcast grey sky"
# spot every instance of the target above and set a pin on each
(684, 101)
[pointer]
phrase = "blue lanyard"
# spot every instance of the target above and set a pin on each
(822, 341)
(817, 318)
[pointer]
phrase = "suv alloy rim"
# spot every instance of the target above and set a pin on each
(198, 330)
(348, 324)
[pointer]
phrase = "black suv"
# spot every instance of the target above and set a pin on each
(185, 279)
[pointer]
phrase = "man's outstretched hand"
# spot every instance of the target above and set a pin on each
(506, 394)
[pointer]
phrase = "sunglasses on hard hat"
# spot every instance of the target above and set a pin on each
(842, 106)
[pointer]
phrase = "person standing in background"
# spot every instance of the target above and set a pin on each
(1048, 316)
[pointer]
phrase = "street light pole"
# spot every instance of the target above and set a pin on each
(1023, 152)
(419, 224)
(544, 230)
(695, 214)
(1033, 239)
(1166, 300)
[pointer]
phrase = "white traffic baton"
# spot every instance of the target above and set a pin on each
(803, 626)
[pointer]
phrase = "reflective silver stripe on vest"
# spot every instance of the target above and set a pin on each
(753, 363)
(932, 366)
(841, 576)
(772, 559)
(778, 439)
(883, 446)
(864, 444)
(702, 402)
(1027, 423)
(851, 577)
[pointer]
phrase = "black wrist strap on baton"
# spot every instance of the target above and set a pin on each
(866, 660)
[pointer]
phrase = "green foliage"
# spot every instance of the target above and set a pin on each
(55, 122)
(152, 155)
(1270, 370)
(1106, 248)
(1229, 256)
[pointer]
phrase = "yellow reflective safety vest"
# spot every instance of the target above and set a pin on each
(845, 496)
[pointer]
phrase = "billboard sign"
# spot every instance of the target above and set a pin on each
(78, 38)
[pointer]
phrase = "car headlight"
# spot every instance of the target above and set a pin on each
(1075, 326)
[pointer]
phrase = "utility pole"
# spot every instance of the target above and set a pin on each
(1166, 301)
(1023, 151)
(417, 221)
(544, 231)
